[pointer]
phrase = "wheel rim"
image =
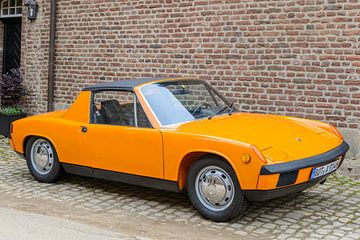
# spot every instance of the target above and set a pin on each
(42, 156)
(214, 188)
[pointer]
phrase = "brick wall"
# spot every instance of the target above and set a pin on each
(34, 58)
(299, 58)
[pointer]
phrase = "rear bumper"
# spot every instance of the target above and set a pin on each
(277, 180)
(11, 143)
(13, 147)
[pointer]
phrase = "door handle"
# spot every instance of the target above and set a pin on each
(84, 129)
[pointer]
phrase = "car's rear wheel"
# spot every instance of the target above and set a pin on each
(42, 160)
(214, 190)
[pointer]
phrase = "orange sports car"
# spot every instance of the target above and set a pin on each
(179, 135)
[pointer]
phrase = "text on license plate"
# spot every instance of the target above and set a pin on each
(323, 170)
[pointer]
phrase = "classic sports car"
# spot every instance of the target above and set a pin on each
(179, 135)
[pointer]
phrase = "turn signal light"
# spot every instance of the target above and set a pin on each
(246, 158)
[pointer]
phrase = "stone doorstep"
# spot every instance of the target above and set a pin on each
(352, 137)
(350, 168)
(351, 165)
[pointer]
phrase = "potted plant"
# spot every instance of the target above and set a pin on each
(12, 90)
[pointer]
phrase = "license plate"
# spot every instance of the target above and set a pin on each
(323, 170)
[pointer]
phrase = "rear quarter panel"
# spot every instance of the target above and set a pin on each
(64, 134)
(61, 128)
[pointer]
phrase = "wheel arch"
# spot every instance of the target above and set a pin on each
(193, 156)
(28, 137)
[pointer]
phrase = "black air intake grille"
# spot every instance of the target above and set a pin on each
(287, 178)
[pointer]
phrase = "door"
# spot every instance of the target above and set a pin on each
(130, 150)
(12, 44)
(120, 137)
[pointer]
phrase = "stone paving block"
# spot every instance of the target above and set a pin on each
(328, 211)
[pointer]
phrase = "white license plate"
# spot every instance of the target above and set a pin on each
(323, 170)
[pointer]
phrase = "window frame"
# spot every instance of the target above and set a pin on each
(135, 108)
(15, 7)
(207, 85)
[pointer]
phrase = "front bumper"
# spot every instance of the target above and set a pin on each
(263, 195)
(321, 159)
(280, 179)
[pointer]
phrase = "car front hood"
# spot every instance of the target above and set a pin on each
(279, 138)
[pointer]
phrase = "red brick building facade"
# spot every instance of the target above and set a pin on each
(299, 58)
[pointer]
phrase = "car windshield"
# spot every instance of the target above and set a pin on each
(181, 101)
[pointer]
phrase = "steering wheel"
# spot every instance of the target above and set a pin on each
(198, 108)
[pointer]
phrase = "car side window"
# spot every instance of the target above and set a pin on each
(118, 108)
(142, 120)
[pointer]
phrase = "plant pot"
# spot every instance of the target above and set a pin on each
(5, 122)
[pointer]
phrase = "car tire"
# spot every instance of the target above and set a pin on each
(214, 189)
(42, 160)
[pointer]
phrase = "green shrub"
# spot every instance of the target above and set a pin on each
(10, 110)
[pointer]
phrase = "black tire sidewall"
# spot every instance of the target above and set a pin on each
(238, 204)
(56, 169)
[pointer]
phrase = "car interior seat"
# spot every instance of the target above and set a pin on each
(116, 114)
(112, 112)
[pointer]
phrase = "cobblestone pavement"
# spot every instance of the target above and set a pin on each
(328, 211)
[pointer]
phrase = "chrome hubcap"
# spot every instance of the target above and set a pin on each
(42, 156)
(214, 188)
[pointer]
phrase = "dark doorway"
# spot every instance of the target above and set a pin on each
(12, 43)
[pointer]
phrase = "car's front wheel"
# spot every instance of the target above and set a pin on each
(214, 190)
(42, 160)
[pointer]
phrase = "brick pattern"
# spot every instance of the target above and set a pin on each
(298, 58)
(34, 58)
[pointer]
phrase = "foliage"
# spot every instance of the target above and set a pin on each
(12, 88)
(10, 110)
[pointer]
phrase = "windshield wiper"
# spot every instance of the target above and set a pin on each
(230, 106)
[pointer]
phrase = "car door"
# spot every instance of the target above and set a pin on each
(120, 138)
